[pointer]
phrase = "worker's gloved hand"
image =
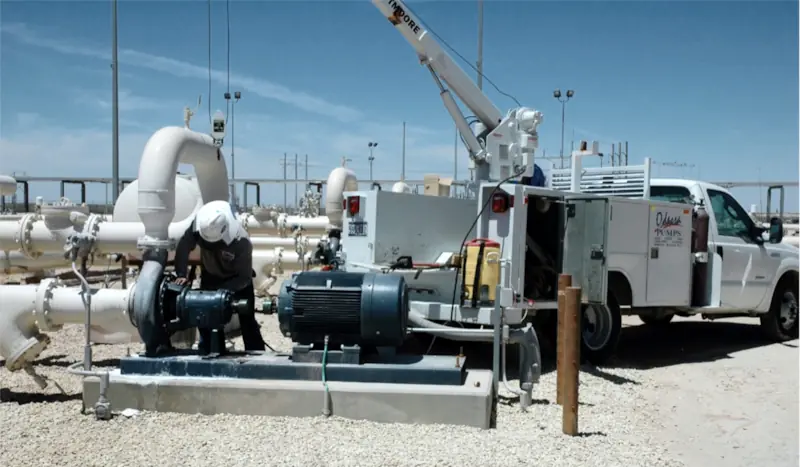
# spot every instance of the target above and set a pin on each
(181, 281)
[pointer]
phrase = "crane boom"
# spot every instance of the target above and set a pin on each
(432, 54)
(507, 144)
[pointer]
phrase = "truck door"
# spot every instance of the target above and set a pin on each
(744, 281)
(585, 242)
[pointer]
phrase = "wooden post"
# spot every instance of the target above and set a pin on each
(564, 281)
(572, 361)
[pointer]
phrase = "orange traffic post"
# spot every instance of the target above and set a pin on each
(564, 281)
(572, 361)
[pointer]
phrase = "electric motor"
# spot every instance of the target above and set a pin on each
(349, 308)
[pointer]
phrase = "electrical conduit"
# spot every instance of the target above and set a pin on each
(531, 362)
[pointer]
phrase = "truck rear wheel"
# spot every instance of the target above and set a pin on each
(601, 328)
(781, 323)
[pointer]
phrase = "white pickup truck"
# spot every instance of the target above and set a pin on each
(627, 240)
(758, 276)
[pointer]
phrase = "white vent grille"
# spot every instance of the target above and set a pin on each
(632, 181)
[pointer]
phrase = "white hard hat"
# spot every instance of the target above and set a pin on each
(215, 222)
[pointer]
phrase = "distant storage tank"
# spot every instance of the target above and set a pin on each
(401, 187)
(340, 180)
(187, 200)
(8, 185)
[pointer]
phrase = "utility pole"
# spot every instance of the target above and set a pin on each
(613, 155)
(626, 153)
(114, 105)
(306, 164)
(284, 182)
(295, 180)
(403, 168)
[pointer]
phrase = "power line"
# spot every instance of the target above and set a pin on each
(209, 62)
(474, 68)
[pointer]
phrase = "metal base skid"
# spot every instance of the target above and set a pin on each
(385, 388)
(403, 369)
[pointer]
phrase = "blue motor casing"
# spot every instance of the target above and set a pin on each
(181, 307)
(350, 308)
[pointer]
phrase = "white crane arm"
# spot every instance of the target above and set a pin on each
(433, 55)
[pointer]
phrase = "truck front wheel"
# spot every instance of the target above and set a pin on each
(601, 328)
(781, 323)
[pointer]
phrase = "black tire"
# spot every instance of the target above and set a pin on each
(781, 322)
(651, 320)
(600, 331)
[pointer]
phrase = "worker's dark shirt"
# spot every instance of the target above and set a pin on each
(222, 266)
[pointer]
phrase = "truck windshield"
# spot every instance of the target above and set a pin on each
(671, 194)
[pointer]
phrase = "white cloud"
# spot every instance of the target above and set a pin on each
(261, 87)
(44, 148)
(47, 149)
(128, 101)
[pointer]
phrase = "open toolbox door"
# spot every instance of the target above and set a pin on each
(585, 246)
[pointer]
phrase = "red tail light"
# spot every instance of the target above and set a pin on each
(353, 205)
(501, 202)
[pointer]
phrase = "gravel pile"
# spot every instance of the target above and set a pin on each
(45, 428)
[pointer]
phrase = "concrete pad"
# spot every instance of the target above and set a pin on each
(469, 404)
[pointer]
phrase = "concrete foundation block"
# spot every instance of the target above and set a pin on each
(470, 404)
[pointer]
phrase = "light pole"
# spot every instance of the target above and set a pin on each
(371, 145)
(114, 106)
(236, 96)
(557, 95)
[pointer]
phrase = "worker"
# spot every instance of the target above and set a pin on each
(226, 262)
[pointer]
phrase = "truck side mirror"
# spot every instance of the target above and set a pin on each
(775, 230)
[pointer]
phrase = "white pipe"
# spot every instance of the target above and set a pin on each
(109, 308)
(158, 168)
(268, 264)
(28, 309)
(51, 234)
(282, 224)
(340, 180)
(17, 260)
(263, 242)
(20, 340)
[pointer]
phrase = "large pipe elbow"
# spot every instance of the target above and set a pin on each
(20, 339)
(340, 180)
(158, 168)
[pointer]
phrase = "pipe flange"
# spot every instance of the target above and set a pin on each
(146, 242)
(23, 235)
(27, 352)
(41, 312)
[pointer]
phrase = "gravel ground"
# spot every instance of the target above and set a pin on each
(681, 396)
(45, 428)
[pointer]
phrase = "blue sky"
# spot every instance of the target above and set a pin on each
(712, 84)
